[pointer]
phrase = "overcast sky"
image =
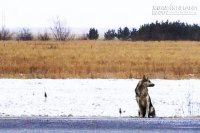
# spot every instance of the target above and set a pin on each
(95, 13)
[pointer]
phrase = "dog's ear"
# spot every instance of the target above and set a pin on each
(144, 77)
(147, 78)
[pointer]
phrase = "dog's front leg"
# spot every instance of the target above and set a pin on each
(147, 107)
(140, 114)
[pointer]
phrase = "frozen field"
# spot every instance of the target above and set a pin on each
(95, 97)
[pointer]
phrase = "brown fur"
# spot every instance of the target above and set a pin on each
(143, 99)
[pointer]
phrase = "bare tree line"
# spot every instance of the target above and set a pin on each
(5, 34)
(58, 31)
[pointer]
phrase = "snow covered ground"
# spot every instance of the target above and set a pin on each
(95, 97)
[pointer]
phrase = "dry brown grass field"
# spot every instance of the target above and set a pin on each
(99, 59)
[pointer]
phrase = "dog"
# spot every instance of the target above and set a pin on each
(143, 99)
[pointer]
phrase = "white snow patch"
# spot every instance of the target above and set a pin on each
(96, 97)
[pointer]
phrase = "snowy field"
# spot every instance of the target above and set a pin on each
(95, 97)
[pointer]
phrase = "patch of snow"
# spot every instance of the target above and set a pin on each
(96, 97)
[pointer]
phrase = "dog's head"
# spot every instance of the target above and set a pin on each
(146, 82)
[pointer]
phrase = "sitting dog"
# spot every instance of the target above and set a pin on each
(143, 99)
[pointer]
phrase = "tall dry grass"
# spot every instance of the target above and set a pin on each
(99, 59)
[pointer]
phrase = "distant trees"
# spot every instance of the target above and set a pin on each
(44, 36)
(133, 34)
(168, 31)
(147, 32)
(59, 30)
(25, 35)
(93, 34)
(110, 34)
(5, 34)
(123, 34)
(158, 31)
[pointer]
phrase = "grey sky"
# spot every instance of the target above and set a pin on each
(95, 13)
